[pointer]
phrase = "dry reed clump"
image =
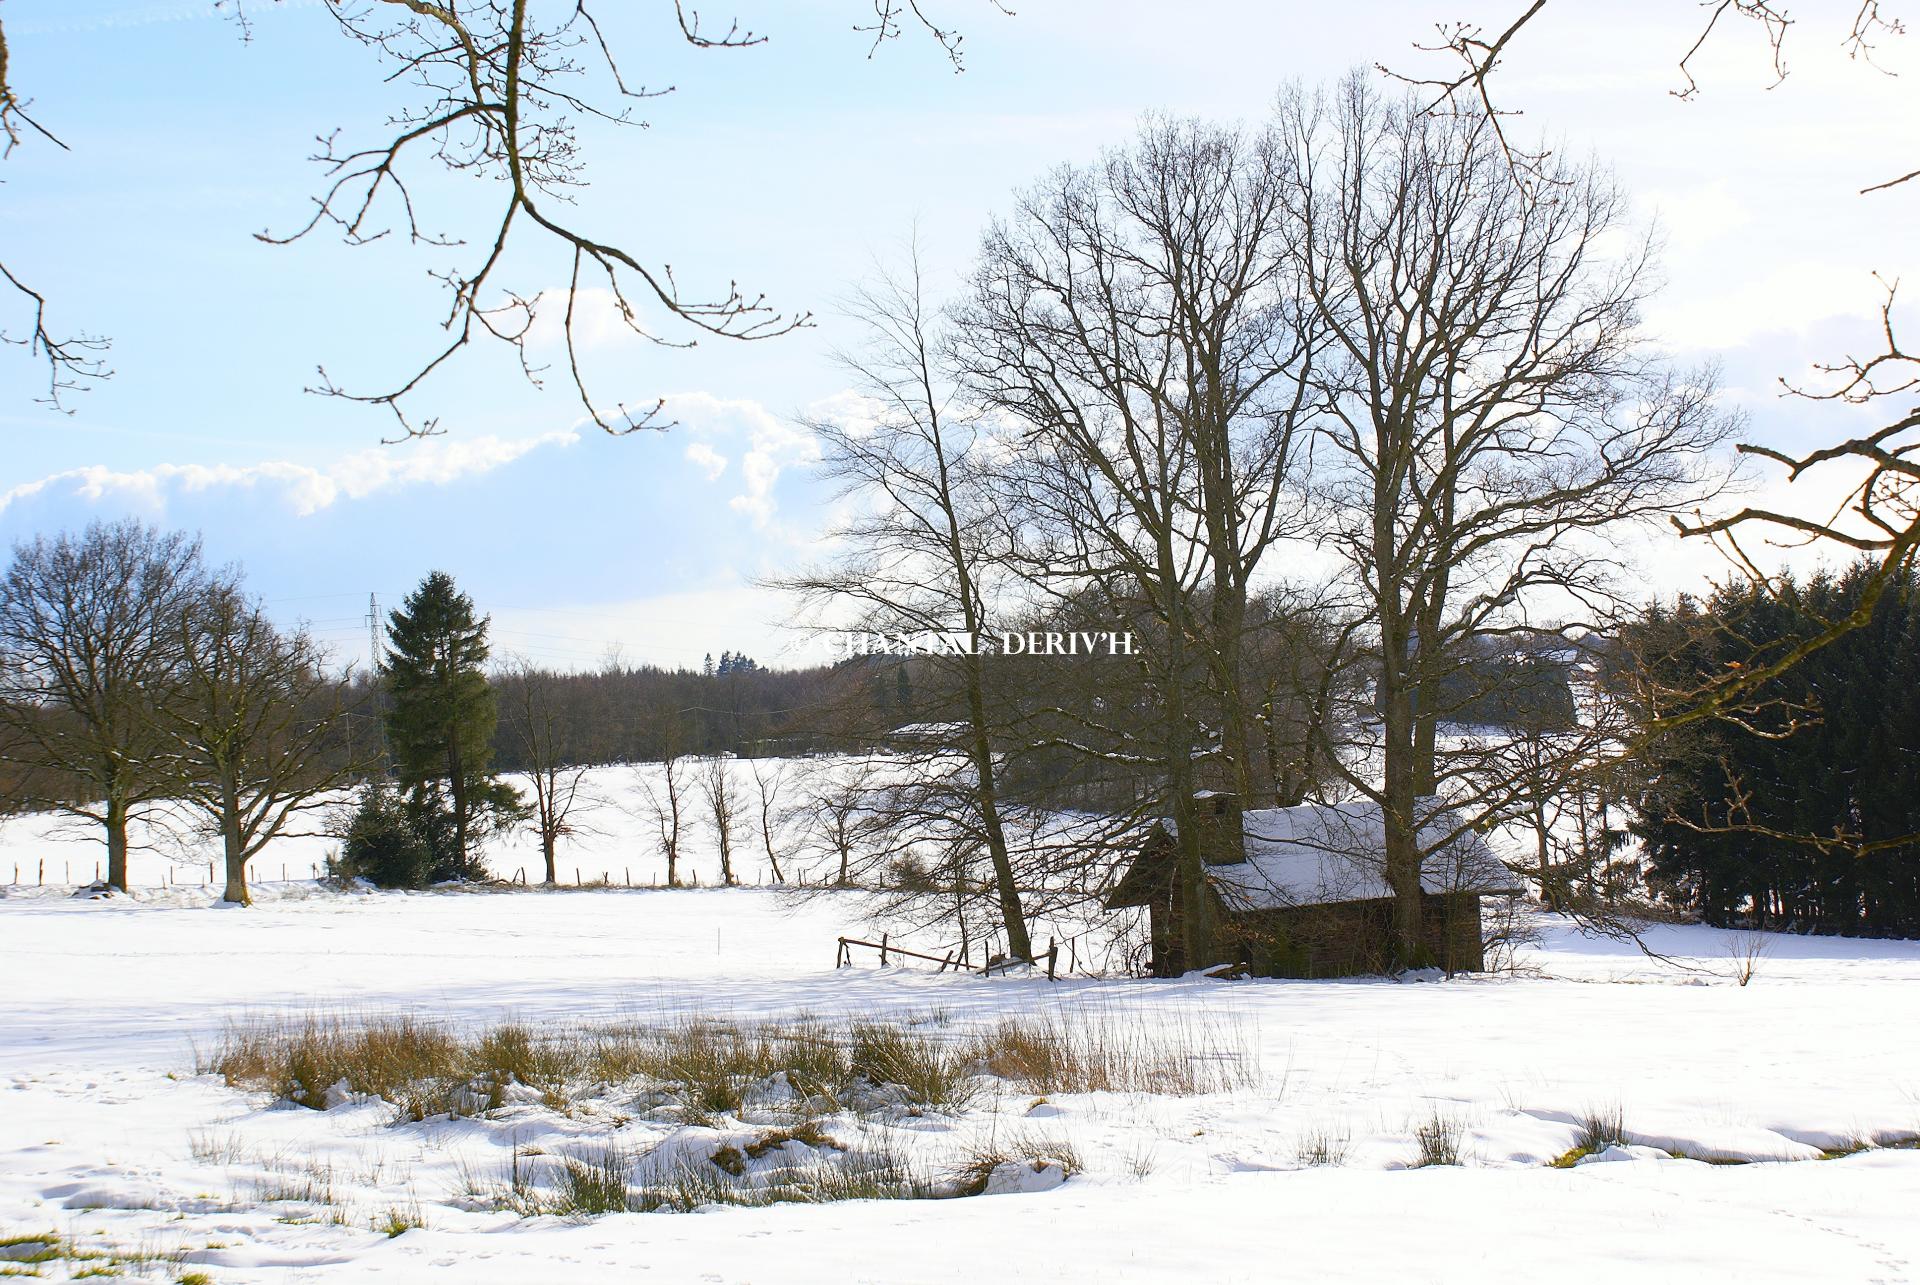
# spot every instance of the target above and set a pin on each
(1439, 1137)
(1323, 1148)
(421, 1068)
(713, 1069)
(299, 1060)
(972, 1174)
(931, 1072)
(610, 1180)
(710, 1068)
(1599, 1128)
(1046, 1054)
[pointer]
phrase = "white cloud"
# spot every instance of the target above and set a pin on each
(770, 445)
(304, 488)
(707, 460)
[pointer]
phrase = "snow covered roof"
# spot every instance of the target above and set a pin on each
(1319, 853)
(929, 732)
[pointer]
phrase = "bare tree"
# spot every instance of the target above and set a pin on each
(1491, 411)
(926, 553)
(1879, 468)
(838, 825)
(1133, 321)
(768, 785)
(253, 719)
(666, 805)
(716, 790)
(90, 648)
(544, 735)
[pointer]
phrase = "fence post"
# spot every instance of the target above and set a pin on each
(883, 950)
(627, 871)
(42, 882)
(1053, 956)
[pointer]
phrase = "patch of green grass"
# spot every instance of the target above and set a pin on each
(1708, 1157)
(399, 1220)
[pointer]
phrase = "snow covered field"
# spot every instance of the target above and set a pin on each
(109, 1138)
(615, 840)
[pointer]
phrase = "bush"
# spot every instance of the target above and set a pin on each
(384, 844)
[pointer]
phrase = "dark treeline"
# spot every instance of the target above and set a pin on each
(629, 714)
(1782, 826)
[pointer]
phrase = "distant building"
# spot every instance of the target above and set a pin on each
(1302, 891)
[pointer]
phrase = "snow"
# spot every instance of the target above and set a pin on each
(614, 842)
(1318, 853)
(108, 1136)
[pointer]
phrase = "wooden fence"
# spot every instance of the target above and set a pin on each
(843, 957)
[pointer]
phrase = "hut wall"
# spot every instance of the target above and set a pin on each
(1352, 938)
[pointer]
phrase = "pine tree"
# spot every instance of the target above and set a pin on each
(440, 722)
(1805, 825)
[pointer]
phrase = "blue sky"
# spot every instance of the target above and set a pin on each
(790, 167)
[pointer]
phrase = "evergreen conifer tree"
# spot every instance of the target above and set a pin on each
(440, 722)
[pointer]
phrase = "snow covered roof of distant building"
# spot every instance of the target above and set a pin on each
(1319, 853)
(932, 732)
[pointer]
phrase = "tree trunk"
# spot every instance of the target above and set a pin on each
(1426, 666)
(457, 787)
(116, 823)
(1197, 910)
(546, 850)
(766, 840)
(1400, 799)
(1229, 619)
(235, 851)
(1012, 914)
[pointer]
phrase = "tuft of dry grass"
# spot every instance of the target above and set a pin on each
(1323, 1148)
(932, 1073)
(1045, 1054)
(595, 1183)
(396, 1058)
(970, 1176)
(1439, 1137)
(400, 1219)
(712, 1070)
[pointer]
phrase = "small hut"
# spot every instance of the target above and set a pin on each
(1302, 891)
